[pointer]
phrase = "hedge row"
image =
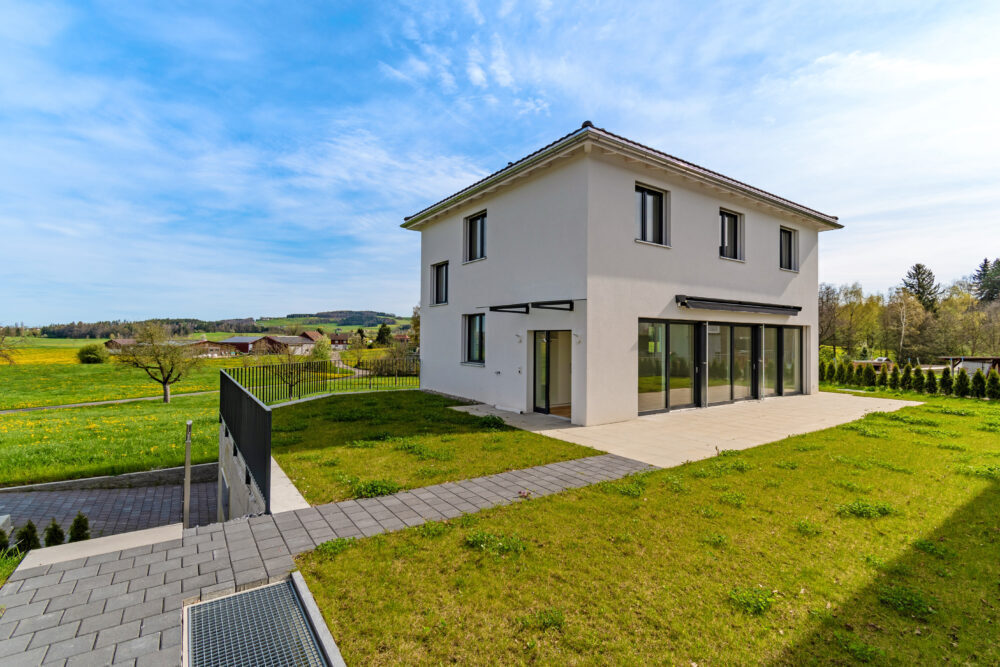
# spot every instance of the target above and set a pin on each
(913, 378)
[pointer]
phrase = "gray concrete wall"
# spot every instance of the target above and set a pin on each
(237, 498)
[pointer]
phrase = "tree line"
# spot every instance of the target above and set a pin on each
(913, 378)
(918, 319)
(123, 329)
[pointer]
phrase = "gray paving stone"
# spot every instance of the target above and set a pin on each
(160, 622)
(55, 634)
(198, 582)
(104, 558)
(106, 592)
(163, 590)
(68, 565)
(113, 566)
(17, 599)
(125, 601)
(70, 647)
(14, 646)
(13, 614)
(134, 648)
(91, 583)
(101, 656)
(166, 565)
(148, 581)
(84, 611)
(41, 581)
(142, 611)
(166, 546)
(172, 636)
(214, 566)
(130, 574)
(137, 551)
(32, 657)
(32, 624)
(180, 573)
(101, 622)
(168, 657)
(249, 578)
(28, 573)
(116, 634)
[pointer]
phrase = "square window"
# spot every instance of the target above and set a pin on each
(475, 339)
(731, 245)
(439, 283)
(475, 237)
(788, 250)
(650, 216)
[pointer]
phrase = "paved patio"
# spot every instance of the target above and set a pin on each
(671, 438)
(124, 607)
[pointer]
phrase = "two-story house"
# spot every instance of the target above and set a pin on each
(598, 279)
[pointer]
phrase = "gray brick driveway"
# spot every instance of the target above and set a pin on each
(111, 511)
(124, 607)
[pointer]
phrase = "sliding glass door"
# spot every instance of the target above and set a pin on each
(682, 366)
(719, 364)
(652, 370)
(742, 363)
(791, 380)
(770, 370)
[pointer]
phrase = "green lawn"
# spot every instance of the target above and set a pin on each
(9, 560)
(52, 445)
(757, 557)
(367, 444)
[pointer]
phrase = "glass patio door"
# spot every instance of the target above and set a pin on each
(541, 375)
(770, 370)
(682, 366)
(652, 370)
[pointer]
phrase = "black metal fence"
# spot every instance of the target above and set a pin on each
(280, 382)
(248, 421)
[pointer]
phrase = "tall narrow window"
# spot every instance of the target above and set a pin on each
(475, 339)
(730, 244)
(439, 283)
(650, 220)
(787, 249)
(475, 237)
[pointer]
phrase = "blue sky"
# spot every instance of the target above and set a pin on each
(215, 159)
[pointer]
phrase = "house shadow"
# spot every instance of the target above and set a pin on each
(955, 570)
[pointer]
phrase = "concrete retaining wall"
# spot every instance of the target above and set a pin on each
(239, 495)
(204, 472)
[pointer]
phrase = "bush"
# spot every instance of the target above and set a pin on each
(869, 375)
(962, 387)
(946, 382)
(930, 383)
(917, 383)
(822, 370)
(842, 373)
(26, 538)
(321, 350)
(54, 535)
(94, 353)
(906, 380)
(859, 375)
(883, 376)
(978, 384)
(4, 542)
(79, 530)
(894, 377)
(993, 385)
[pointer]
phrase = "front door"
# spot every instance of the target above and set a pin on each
(552, 377)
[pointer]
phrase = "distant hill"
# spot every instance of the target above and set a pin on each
(337, 318)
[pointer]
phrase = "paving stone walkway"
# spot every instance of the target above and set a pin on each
(112, 511)
(125, 607)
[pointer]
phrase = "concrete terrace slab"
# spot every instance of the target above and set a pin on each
(671, 438)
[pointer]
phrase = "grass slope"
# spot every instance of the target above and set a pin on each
(52, 445)
(365, 444)
(765, 556)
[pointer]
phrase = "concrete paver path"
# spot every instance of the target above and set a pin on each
(669, 439)
(124, 607)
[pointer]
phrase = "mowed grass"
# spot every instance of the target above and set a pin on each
(372, 444)
(50, 445)
(875, 542)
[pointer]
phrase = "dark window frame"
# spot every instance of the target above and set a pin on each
(730, 244)
(664, 223)
(787, 260)
(437, 285)
(469, 356)
(475, 230)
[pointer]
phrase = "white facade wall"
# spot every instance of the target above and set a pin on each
(568, 232)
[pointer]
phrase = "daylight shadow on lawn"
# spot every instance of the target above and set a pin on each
(939, 602)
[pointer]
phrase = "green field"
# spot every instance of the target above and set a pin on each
(328, 327)
(875, 541)
(335, 448)
(50, 445)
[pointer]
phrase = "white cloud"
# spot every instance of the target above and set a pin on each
(500, 65)
(474, 68)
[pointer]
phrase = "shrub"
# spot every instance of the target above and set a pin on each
(859, 375)
(753, 601)
(865, 510)
(978, 384)
(894, 377)
(321, 350)
(917, 383)
(822, 370)
(869, 375)
(4, 542)
(79, 530)
(26, 538)
(94, 353)
(962, 387)
(946, 381)
(930, 383)
(842, 373)
(883, 377)
(331, 548)
(54, 534)
(906, 379)
(496, 545)
(993, 385)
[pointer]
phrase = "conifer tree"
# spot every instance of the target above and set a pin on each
(26, 538)
(930, 383)
(906, 380)
(883, 376)
(962, 387)
(993, 385)
(947, 382)
(842, 373)
(978, 384)
(79, 530)
(869, 376)
(917, 382)
(54, 534)
(4, 543)
(894, 378)
(822, 371)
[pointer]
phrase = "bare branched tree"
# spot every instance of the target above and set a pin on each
(164, 360)
(8, 347)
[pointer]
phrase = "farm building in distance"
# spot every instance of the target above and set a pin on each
(208, 349)
(973, 364)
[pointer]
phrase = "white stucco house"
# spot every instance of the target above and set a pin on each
(598, 279)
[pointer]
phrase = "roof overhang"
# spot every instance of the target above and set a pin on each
(707, 303)
(588, 138)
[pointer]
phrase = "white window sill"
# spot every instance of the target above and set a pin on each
(788, 270)
(476, 364)
(473, 261)
(443, 303)
(655, 245)
(733, 259)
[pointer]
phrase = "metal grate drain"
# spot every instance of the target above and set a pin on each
(264, 626)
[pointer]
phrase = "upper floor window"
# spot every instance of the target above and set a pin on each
(475, 338)
(475, 237)
(650, 218)
(731, 245)
(788, 249)
(439, 283)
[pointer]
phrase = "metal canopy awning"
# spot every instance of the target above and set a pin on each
(525, 308)
(707, 303)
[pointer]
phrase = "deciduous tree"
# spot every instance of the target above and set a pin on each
(164, 360)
